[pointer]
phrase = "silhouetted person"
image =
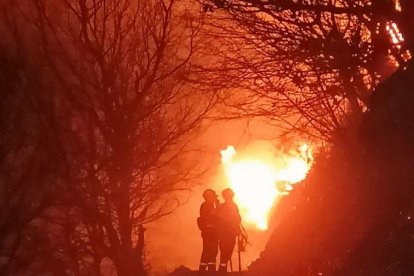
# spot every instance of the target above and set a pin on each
(229, 227)
(207, 222)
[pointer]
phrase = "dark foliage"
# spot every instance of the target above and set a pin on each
(30, 163)
(353, 216)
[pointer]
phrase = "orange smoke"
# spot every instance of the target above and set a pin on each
(258, 182)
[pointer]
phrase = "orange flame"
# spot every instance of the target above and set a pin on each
(397, 4)
(395, 34)
(397, 40)
(259, 183)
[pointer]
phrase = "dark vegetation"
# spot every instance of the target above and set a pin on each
(354, 214)
(96, 115)
(308, 66)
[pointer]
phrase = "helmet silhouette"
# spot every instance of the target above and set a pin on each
(209, 194)
(228, 194)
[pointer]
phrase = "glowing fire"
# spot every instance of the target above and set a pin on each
(397, 40)
(395, 34)
(397, 4)
(397, 37)
(258, 183)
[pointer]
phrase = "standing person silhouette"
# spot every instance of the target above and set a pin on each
(228, 228)
(207, 223)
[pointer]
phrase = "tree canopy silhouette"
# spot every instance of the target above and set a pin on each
(123, 113)
(309, 65)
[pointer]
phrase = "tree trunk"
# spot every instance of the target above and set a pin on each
(131, 261)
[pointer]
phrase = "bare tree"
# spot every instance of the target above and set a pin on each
(308, 65)
(125, 114)
(30, 163)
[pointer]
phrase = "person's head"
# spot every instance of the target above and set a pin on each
(228, 194)
(209, 195)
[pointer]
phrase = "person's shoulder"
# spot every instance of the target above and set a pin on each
(221, 207)
(235, 207)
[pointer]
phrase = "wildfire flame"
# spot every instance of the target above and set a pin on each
(397, 37)
(395, 34)
(397, 4)
(259, 183)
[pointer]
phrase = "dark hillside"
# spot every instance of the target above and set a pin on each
(354, 214)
